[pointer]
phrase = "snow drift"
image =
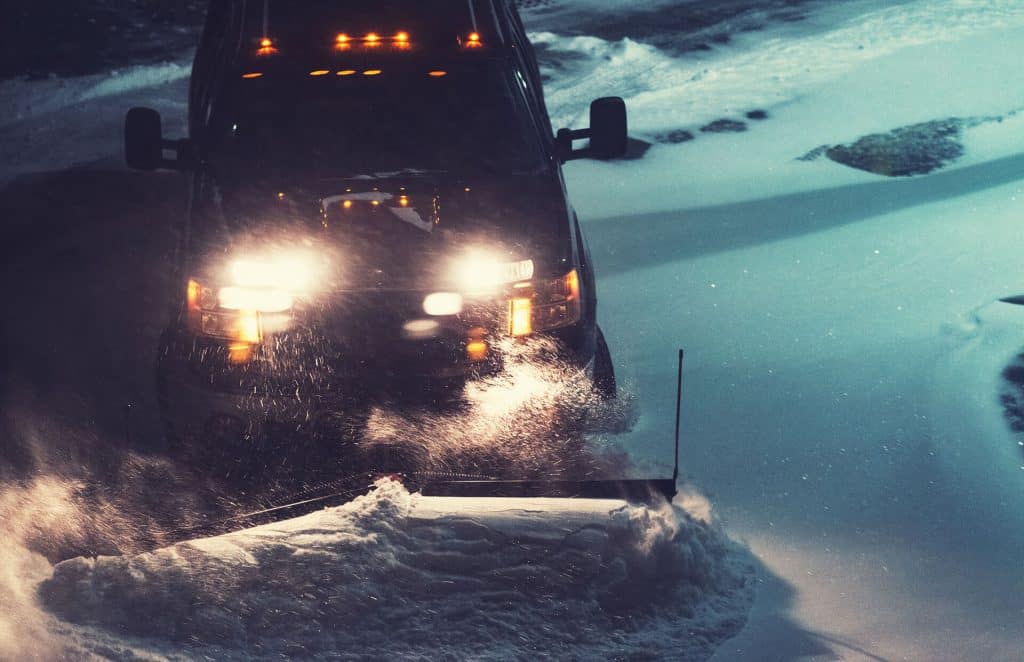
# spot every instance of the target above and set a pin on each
(399, 575)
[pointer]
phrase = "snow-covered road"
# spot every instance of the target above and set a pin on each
(842, 409)
(844, 339)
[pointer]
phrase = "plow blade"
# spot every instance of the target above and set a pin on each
(633, 491)
(341, 492)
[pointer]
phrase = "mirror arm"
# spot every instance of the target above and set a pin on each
(184, 154)
(564, 139)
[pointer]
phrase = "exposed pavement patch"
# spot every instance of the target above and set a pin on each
(917, 149)
(674, 137)
(724, 125)
(1012, 398)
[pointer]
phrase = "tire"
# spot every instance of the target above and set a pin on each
(604, 370)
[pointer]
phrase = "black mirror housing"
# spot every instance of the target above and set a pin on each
(144, 143)
(143, 139)
(608, 128)
(608, 132)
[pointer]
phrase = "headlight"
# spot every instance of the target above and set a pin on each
(542, 305)
(253, 297)
(481, 272)
(294, 273)
(533, 304)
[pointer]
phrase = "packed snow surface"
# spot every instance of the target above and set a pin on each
(842, 390)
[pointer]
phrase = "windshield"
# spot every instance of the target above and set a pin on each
(456, 119)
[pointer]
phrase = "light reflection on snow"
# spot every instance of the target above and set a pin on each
(530, 421)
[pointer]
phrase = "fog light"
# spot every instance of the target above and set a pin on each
(420, 329)
(442, 303)
(239, 353)
(476, 350)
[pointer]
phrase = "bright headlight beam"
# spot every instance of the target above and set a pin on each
(289, 273)
(260, 300)
(479, 271)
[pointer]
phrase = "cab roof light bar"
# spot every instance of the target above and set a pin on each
(400, 40)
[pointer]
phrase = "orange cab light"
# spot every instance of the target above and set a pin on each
(403, 201)
(572, 286)
(347, 72)
(375, 203)
(192, 295)
(438, 73)
(402, 37)
(473, 41)
(319, 72)
(254, 74)
(266, 47)
(347, 204)
(372, 38)
(342, 38)
(520, 317)
(372, 72)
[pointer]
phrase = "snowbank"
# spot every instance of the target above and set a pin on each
(394, 575)
(850, 69)
(24, 99)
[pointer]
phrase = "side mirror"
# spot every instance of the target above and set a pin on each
(608, 128)
(144, 143)
(608, 132)
(143, 139)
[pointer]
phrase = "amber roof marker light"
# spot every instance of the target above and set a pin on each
(400, 40)
(267, 47)
(473, 41)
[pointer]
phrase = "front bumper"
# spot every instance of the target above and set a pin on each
(303, 383)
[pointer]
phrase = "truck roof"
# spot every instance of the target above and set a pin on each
(288, 29)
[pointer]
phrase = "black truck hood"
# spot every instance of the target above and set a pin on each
(400, 228)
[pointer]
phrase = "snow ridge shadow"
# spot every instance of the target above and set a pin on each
(673, 236)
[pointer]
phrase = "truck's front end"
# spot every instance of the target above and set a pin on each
(375, 217)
